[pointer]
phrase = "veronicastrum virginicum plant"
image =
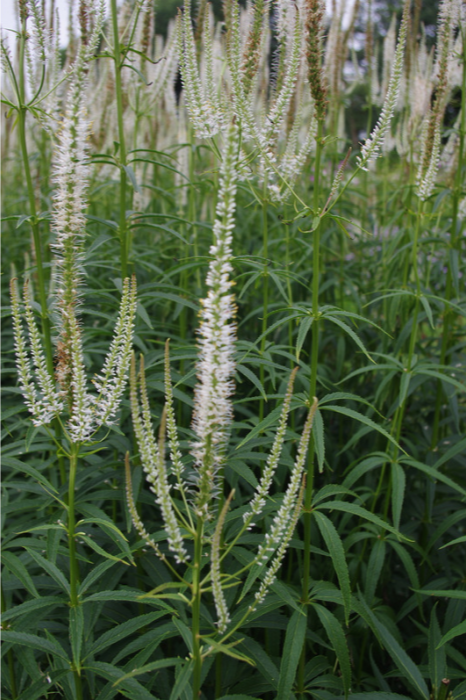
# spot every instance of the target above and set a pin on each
(194, 520)
(65, 397)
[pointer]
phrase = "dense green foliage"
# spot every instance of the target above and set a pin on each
(386, 596)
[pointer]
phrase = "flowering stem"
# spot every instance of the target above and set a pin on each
(196, 607)
(265, 238)
(74, 570)
(123, 229)
(312, 393)
(32, 205)
(455, 238)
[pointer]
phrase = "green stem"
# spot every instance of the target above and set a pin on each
(312, 391)
(32, 206)
(265, 291)
(196, 607)
(455, 238)
(123, 229)
(74, 570)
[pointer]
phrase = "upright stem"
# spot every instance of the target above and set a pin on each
(454, 240)
(196, 606)
(312, 392)
(265, 290)
(74, 570)
(32, 205)
(123, 229)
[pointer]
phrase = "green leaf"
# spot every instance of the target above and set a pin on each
(229, 650)
(458, 540)
(40, 688)
(374, 569)
(405, 664)
(182, 679)
(95, 575)
(119, 632)
(337, 639)
(76, 633)
(260, 427)
(409, 566)
(454, 632)
(303, 330)
(350, 332)
(437, 657)
(459, 448)
(17, 568)
(130, 687)
(34, 642)
(50, 568)
(17, 465)
(263, 662)
(130, 173)
(362, 419)
(153, 666)
(319, 443)
(253, 379)
(335, 547)
(135, 596)
(185, 633)
(362, 513)
(294, 640)
(97, 548)
(398, 492)
(459, 595)
(52, 601)
(434, 473)
(428, 310)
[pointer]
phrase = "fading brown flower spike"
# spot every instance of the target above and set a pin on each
(314, 15)
(252, 50)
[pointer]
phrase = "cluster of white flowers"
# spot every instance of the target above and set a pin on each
(87, 412)
(153, 461)
(276, 532)
(372, 145)
(212, 406)
(201, 97)
(221, 607)
(275, 564)
(258, 502)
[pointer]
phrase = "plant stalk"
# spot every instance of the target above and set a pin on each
(123, 228)
(196, 607)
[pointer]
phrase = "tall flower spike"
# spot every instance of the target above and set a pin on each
(212, 406)
(141, 530)
(258, 502)
(373, 144)
(205, 116)
(275, 564)
(153, 464)
(23, 363)
(431, 137)
(50, 400)
(173, 444)
(276, 533)
(315, 12)
(219, 598)
(112, 381)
